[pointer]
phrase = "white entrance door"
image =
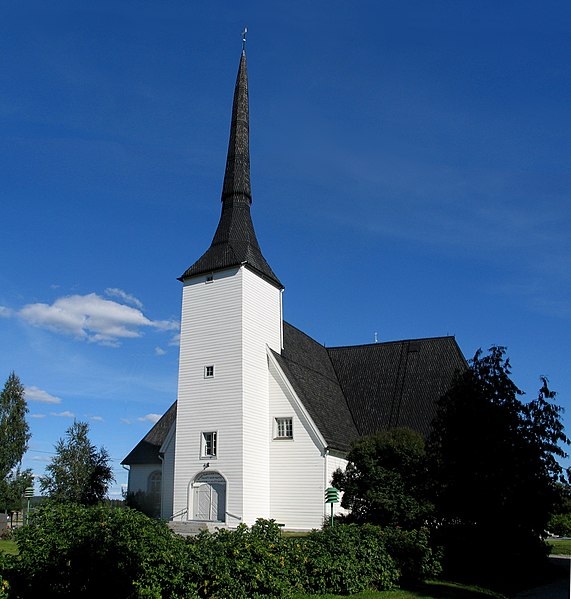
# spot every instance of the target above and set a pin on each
(209, 497)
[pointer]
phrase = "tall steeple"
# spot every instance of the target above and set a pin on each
(235, 241)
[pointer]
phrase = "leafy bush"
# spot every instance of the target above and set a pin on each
(72, 551)
(560, 525)
(247, 563)
(77, 551)
(412, 551)
(348, 559)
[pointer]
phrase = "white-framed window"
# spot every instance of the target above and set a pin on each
(208, 444)
(209, 372)
(283, 428)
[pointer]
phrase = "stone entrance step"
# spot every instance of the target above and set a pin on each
(187, 528)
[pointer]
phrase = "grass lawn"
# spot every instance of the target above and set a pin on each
(560, 546)
(430, 590)
(9, 547)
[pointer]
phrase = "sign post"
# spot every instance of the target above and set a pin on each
(28, 493)
(331, 496)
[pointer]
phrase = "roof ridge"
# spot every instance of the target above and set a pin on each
(394, 341)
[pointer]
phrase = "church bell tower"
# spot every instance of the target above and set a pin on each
(231, 315)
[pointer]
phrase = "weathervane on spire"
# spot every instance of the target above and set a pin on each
(244, 39)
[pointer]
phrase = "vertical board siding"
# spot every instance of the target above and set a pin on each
(261, 328)
(227, 324)
(167, 508)
(139, 476)
(297, 465)
(210, 335)
(332, 462)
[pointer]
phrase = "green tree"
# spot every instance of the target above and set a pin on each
(78, 473)
(14, 430)
(12, 489)
(385, 481)
(494, 466)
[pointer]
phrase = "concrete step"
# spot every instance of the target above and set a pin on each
(187, 528)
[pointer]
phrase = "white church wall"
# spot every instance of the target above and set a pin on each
(139, 476)
(261, 328)
(297, 471)
(168, 475)
(211, 335)
(332, 462)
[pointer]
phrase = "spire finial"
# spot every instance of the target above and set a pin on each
(244, 39)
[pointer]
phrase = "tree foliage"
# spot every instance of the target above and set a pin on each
(12, 489)
(78, 473)
(14, 430)
(493, 462)
(385, 481)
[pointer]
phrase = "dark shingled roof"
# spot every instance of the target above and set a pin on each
(147, 450)
(396, 383)
(308, 368)
(235, 241)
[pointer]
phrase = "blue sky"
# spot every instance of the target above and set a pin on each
(410, 176)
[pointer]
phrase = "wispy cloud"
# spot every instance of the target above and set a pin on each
(5, 312)
(64, 414)
(123, 295)
(97, 418)
(37, 416)
(92, 318)
(125, 421)
(175, 340)
(37, 394)
(154, 418)
(159, 351)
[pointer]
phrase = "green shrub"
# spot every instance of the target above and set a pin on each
(347, 559)
(560, 525)
(247, 563)
(412, 551)
(72, 551)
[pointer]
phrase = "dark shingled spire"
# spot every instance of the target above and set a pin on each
(235, 241)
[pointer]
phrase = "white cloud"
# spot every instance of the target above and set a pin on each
(37, 394)
(159, 351)
(175, 340)
(41, 458)
(123, 295)
(97, 418)
(92, 318)
(37, 415)
(154, 418)
(125, 421)
(65, 414)
(5, 312)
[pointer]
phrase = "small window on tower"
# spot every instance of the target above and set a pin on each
(209, 372)
(283, 428)
(208, 445)
(209, 278)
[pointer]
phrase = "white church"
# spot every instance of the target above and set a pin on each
(264, 413)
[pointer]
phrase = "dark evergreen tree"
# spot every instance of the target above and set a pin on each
(14, 430)
(385, 481)
(78, 473)
(494, 468)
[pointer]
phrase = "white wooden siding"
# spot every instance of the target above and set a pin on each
(332, 462)
(139, 476)
(297, 471)
(168, 475)
(226, 323)
(261, 329)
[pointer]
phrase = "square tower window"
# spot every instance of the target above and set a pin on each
(283, 428)
(208, 445)
(209, 372)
